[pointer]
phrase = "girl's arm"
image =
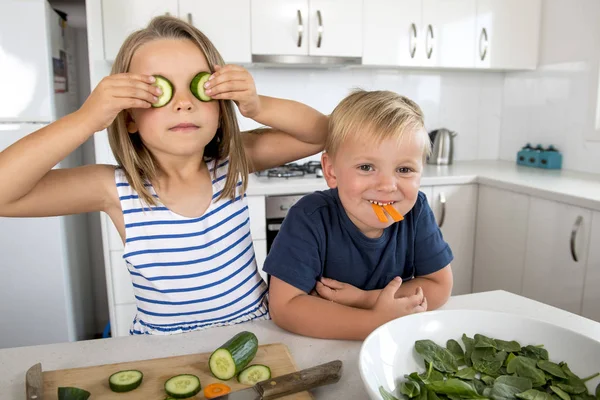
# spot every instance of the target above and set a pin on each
(298, 130)
(29, 187)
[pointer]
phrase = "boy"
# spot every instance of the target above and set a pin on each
(339, 267)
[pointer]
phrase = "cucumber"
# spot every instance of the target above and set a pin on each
(72, 393)
(183, 386)
(233, 356)
(125, 381)
(167, 91)
(253, 374)
(197, 86)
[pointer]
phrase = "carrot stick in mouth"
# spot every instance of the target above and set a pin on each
(396, 216)
(379, 212)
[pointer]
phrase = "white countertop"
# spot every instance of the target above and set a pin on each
(577, 188)
(307, 352)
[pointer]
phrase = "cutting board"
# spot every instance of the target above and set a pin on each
(157, 371)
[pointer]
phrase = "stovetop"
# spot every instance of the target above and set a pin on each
(294, 170)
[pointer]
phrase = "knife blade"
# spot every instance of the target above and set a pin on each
(34, 383)
(294, 382)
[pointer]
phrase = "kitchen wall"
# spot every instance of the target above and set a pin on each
(557, 104)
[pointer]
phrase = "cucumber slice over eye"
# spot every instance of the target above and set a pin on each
(167, 91)
(72, 393)
(125, 381)
(253, 374)
(183, 386)
(197, 86)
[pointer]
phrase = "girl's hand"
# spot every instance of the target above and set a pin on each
(233, 82)
(342, 293)
(115, 93)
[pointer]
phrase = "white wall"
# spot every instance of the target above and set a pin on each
(556, 104)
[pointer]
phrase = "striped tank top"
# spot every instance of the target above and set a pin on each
(191, 273)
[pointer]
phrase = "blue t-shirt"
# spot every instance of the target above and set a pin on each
(318, 239)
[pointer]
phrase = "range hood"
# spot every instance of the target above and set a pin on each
(301, 60)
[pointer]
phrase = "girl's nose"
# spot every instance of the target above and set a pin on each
(183, 103)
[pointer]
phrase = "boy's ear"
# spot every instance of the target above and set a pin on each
(328, 170)
(130, 123)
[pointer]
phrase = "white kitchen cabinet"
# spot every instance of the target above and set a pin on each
(455, 208)
(124, 315)
(260, 252)
(120, 18)
(501, 240)
(393, 34)
(508, 34)
(449, 33)
(555, 262)
(225, 22)
(307, 27)
(428, 191)
(258, 222)
(591, 292)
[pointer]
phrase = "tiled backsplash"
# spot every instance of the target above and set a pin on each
(464, 101)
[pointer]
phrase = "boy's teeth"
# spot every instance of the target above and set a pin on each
(380, 203)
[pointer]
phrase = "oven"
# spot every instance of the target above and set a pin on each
(275, 212)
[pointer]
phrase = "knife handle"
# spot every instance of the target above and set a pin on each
(34, 383)
(300, 381)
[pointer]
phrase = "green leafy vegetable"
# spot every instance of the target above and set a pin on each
(440, 357)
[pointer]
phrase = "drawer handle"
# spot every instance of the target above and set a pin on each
(574, 232)
(189, 17)
(429, 48)
(300, 29)
(413, 40)
(320, 30)
(483, 35)
(443, 203)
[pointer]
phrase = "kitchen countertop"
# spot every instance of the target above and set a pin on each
(577, 188)
(307, 352)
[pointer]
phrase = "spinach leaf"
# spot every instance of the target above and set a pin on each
(410, 389)
(484, 341)
(469, 345)
(479, 386)
(454, 387)
(589, 378)
(573, 384)
(467, 374)
(441, 358)
(523, 384)
(533, 394)
(454, 347)
(509, 347)
(527, 368)
(509, 359)
(502, 391)
(535, 352)
(489, 380)
(598, 391)
(551, 368)
(561, 393)
(487, 361)
(386, 395)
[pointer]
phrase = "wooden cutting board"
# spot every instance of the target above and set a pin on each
(157, 371)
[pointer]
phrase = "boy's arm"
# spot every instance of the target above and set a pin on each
(298, 131)
(298, 312)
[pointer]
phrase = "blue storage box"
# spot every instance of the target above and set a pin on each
(549, 158)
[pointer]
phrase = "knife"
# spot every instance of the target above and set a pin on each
(295, 382)
(34, 383)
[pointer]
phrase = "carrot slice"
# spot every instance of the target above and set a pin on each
(215, 390)
(379, 212)
(396, 216)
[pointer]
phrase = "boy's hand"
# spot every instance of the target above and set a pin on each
(232, 82)
(388, 307)
(342, 293)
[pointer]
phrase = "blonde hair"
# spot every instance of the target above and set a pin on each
(382, 114)
(130, 152)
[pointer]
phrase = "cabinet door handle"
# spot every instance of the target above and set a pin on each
(168, 14)
(483, 36)
(427, 44)
(300, 29)
(574, 232)
(443, 203)
(413, 40)
(189, 17)
(320, 30)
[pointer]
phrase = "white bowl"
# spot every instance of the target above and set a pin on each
(387, 354)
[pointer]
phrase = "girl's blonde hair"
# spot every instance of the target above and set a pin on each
(139, 165)
(382, 114)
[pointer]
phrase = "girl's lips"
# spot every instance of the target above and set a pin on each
(184, 127)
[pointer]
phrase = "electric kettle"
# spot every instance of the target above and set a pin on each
(442, 141)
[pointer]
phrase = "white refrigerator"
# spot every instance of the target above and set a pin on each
(45, 275)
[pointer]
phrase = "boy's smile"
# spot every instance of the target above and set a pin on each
(370, 171)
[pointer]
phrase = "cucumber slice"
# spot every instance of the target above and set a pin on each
(253, 374)
(125, 381)
(72, 393)
(167, 91)
(183, 386)
(197, 86)
(233, 356)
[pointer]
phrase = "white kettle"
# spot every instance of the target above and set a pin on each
(442, 152)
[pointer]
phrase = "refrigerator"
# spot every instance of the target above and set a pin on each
(45, 274)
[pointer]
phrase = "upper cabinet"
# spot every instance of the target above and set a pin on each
(307, 27)
(508, 34)
(122, 18)
(226, 24)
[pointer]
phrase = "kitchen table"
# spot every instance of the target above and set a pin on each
(307, 352)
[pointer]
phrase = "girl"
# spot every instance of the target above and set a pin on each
(177, 195)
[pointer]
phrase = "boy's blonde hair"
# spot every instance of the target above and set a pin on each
(382, 114)
(130, 152)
